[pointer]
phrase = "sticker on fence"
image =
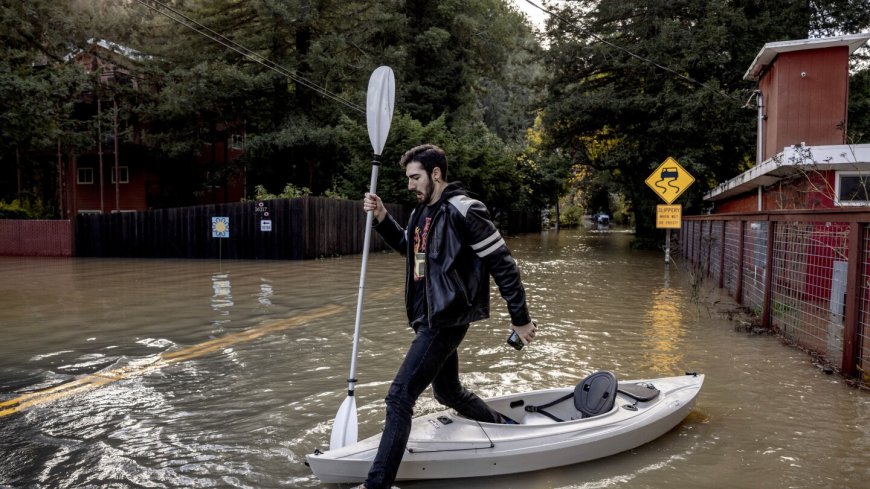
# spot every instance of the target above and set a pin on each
(220, 227)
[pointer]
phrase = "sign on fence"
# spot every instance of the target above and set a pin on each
(220, 227)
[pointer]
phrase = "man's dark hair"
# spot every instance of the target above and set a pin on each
(428, 155)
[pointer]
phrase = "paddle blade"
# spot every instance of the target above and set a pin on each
(344, 429)
(380, 100)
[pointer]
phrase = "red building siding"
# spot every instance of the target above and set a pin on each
(811, 190)
(805, 95)
(150, 185)
(131, 196)
(218, 156)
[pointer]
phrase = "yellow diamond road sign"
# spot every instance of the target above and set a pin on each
(670, 180)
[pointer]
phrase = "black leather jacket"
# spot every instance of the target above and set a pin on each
(464, 247)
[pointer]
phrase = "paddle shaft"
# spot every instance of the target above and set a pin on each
(380, 98)
(351, 379)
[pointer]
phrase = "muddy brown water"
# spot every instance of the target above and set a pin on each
(225, 374)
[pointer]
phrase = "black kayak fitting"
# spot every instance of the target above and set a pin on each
(595, 395)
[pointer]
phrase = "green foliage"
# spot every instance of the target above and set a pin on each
(466, 74)
(334, 194)
(620, 116)
(859, 108)
(25, 209)
(38, 94)
(405, 133)
(13, 210)
(621, 210)
(470, 77)
(571, 216)
(457, 64)
(290, 192)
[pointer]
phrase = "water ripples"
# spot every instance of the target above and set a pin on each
(246, 413)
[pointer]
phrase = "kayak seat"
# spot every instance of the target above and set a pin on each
(594, 395)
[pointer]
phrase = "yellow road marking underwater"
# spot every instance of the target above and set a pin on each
(93, 381)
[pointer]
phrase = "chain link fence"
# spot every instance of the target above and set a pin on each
(804, 274)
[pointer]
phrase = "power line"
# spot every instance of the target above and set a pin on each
(229, 43)
(629, 52)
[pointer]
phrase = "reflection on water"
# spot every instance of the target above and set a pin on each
(265, 295)
(665, 331)
(222, 300)
(180, 373)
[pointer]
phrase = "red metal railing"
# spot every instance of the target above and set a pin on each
(805, 274)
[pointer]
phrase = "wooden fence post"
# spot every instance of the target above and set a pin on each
(722, 255)
(853, 299)
(709, 247)
(768, 275)
(738, 288)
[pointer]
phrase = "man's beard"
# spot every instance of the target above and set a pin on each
(427, 194)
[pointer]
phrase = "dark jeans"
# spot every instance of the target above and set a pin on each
(431, 359)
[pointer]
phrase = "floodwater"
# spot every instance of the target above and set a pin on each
(179, 373)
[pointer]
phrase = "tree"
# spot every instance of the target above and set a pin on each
(290, 74)
(477, 158)
(859, 107)
(547, 170)
(635, 82)
(39, 94)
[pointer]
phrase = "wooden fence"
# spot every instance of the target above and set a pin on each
(806, 274)
(296, 229)
(303, 228)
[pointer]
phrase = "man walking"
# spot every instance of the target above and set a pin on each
(452, 247)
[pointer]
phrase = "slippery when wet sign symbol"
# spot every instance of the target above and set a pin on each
(669, 180)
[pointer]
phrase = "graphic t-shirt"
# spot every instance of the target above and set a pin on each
(422, 222)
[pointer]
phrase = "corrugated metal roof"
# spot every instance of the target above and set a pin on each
(770, 50)
(854, 157)
(114, 47)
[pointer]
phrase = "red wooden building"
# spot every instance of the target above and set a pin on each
(119, 173)
(803, 159)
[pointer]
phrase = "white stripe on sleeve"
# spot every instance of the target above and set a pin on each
(492, 248)
(492, 237)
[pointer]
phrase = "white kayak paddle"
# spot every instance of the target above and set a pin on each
(380, 101)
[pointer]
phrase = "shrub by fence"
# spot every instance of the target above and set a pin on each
(806, 274)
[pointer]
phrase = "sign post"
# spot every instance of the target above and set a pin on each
(669, 181)
(220, 228)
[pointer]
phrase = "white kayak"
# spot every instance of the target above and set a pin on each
(445, 445)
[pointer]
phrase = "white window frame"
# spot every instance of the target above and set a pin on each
(837, 185)
(125, 174)
(86, 170)
(237, 141)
